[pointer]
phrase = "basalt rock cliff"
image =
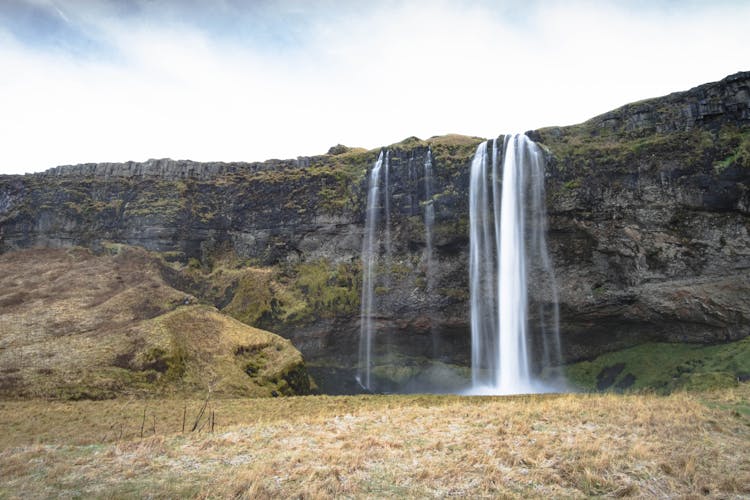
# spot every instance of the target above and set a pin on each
(649, 232)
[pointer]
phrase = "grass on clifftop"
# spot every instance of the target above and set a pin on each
(574, 445)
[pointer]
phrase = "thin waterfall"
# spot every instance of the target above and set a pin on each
(370, 251)
(541, 266)
(429, 222)
(429, 219)
(508, 245)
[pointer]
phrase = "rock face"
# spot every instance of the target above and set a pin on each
(649, 216)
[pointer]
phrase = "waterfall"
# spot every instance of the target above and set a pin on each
(482, 289)
(429, 218)
(507, 225)
(370, 251)
(429, 222)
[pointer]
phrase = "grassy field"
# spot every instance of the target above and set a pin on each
(570, 445)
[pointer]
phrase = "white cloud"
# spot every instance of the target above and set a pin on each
(364, 79)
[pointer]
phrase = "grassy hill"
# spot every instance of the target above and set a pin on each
(74, 325)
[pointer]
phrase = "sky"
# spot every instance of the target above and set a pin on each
(86, 81)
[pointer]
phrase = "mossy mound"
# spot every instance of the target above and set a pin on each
(74, 325)
(665, 367)
(208, 349)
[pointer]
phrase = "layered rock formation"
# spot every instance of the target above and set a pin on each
(649, 212)
(649, 220)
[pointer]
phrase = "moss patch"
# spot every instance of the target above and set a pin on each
(328, 290)
(288, 294)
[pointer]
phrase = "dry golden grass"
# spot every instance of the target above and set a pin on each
(384, 446)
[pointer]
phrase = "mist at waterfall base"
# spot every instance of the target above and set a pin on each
(508, 250)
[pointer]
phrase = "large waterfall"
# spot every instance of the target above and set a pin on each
(507, 225)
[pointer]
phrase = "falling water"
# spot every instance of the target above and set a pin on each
(429, 222)
(482, 289)
(508, 247)
(370, 250)
(429, 219)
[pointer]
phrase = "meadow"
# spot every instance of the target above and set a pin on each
(569, 445)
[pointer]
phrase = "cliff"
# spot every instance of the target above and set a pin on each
(648, 229)
(649, 209)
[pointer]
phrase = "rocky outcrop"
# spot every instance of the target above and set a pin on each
(649, 213)
(708, 106)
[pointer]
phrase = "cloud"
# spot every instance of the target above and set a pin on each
(235, 80)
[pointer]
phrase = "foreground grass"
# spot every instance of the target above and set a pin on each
(375, 446)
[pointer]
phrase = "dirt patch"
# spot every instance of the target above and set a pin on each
(124, 360)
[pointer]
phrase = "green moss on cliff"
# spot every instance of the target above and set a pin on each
(262, 299)
(452, 154)
(162, 199)
(289, 294)
(328, 289)
(337, 194)
(408, 144)
(734, 148)
(328, 184)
